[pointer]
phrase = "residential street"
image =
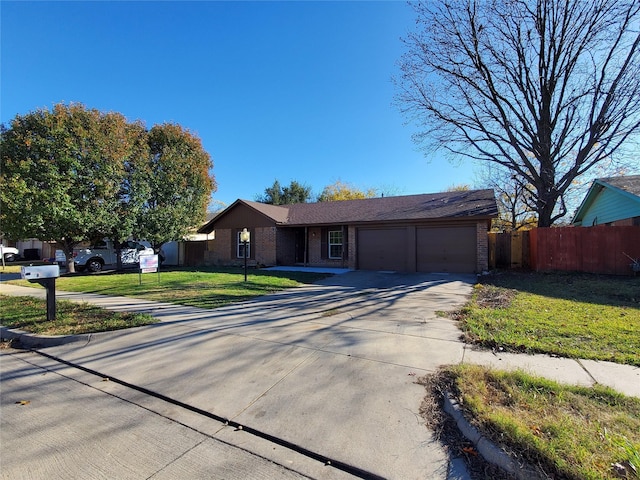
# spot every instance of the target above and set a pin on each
(60, 423)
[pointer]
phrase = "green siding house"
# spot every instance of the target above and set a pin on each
(611, 201)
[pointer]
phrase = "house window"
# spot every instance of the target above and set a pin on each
(240, 247)
(335, 244)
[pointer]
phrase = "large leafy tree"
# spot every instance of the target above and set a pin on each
(75, 174)
(177, 182)
(61, 173)
(134, 189)
(545, 88)
(340, 190)
(278, 195)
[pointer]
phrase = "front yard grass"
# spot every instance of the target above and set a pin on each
(207, 288)
(29, 314)
(204, 288)
(566, 432)
(570, 315)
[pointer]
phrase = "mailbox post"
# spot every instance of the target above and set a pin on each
(46, 276)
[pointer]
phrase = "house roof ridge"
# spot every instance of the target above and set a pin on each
(479, 203)
(626, 183)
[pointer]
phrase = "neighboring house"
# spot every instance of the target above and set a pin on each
(611, 201)
(442, 232)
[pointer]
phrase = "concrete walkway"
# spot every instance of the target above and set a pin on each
(328, 367)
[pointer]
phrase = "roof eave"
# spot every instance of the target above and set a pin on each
(210, 226)
(595, 188)
(480, 218)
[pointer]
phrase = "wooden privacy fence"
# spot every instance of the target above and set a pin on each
(598, 249)
(509, 250)
(194, 253)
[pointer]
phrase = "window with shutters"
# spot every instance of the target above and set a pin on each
(335, 244)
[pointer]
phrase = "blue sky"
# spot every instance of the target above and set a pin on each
(275, 90)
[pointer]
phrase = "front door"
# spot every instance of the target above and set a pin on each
(300, 245)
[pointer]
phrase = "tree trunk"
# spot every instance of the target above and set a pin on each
(71, 266)
(67, 248)
(118, 249)
(545, 210)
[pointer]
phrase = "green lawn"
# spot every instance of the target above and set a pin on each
(569, 432)
(578, 316)
(205, 288)
(29, 314)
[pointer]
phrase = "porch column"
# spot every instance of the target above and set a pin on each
(306, 244)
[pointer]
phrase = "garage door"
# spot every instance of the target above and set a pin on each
(382, 249)
(446, 249)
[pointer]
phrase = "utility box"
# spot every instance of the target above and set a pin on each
(33, 274)
(46, 276)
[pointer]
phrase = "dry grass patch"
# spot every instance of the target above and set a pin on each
(565, 432)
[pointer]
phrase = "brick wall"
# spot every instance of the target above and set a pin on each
(218, 250)
(264, 240)
(316, 254)
(223, 250)
(352, 254)
(482, 241)
(315, 245)
(264, 246)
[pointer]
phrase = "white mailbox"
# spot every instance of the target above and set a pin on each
(46, 276)
(39, 272)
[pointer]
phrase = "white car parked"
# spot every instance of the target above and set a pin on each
(10, 254)
(103, 253)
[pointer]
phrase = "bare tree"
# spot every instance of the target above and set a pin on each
(548, 89)
(516, 201)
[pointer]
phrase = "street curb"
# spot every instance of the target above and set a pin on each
(485, 447)
(32, 340)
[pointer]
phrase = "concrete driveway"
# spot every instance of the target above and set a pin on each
(330, 368)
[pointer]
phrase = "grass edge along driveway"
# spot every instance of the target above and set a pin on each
(564, 431)
(202, 288)
(570, 315)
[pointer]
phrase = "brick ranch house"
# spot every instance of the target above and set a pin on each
(440, 232)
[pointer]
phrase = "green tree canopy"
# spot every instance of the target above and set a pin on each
(61, 174)
(278, 195)
(340, 190)
(178, 185)
(73, 174)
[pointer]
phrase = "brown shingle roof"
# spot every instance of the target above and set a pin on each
(389, 209)
(472, 203)
(278, 213)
